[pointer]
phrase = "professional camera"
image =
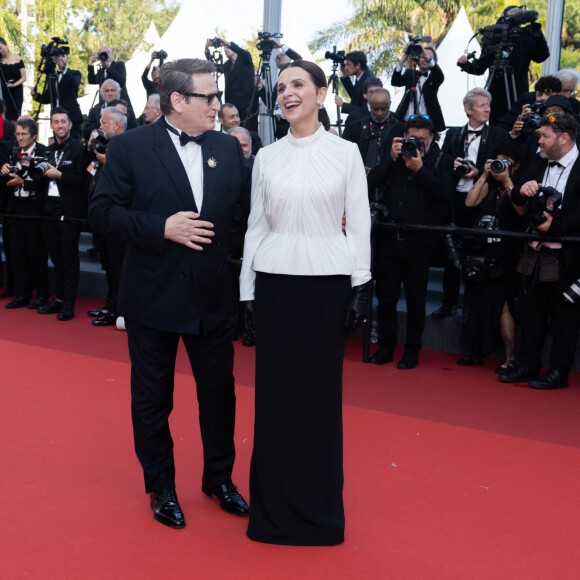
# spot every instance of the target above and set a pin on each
(547, 200)
(215, 42)
(498, 166)
(414, 49)
(572, 293)
(99, 142)
(161, 55)
(337, 57)
(464, 168)
(47, 51)
(103, 56)
(265, 44)
(32, 168)
(501, 37)
(531, 121)
(410, 146)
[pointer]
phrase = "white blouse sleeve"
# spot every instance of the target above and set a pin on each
(358, 219)
(258, 228)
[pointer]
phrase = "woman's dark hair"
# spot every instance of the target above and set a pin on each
(316, 73)
(324, 118)
(508, 148)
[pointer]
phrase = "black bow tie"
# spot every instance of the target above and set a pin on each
(554, 164)
(476, 133)
(184, 138)
(422, 74)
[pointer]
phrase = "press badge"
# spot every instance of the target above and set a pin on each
(92, 169)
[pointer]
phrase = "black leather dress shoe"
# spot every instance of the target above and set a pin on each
(166, 508)
(550, 380)
(230, 499)
(67, 312)
(469, 360)
(18, 302)
(440, 313)
(52, 307)
(408, 361)
(98, 312)
(105, 320)
(382, 356)
(521, 374)
(249, 340)
(38, 302)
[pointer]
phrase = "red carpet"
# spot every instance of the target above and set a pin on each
(449, 473)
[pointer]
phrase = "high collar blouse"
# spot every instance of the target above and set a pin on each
(301, 188)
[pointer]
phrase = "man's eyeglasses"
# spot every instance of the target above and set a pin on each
(209, 97)
(413, 117)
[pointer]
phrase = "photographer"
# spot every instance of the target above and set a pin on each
(25, 189)
(469, 146)
(68, 82)
(421, 85)
(151, 85)
(108, 69)
(418, 185)
(152, 110)
(109, 91)
(361, 113)
(489, 264)
(355, 63)
(549, 268)
(111, 250)
(570, 78)
(239, 76)
(229, 118)
(519, 45)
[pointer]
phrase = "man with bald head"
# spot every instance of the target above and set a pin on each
(110, 90)
(108, 69)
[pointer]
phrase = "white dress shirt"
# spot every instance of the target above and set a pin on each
(301, 188)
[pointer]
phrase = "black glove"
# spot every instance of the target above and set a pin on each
(357, 309)
(248, 314)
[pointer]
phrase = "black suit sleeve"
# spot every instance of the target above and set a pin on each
(398, 78)
(117, 72)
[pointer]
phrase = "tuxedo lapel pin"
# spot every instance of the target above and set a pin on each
(212, 163)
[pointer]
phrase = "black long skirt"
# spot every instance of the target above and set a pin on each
(296, 476)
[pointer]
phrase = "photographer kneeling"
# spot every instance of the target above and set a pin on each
(489, 267)
(549, 268)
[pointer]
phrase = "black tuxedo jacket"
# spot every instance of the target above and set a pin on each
(454, 143)
(408, 79)
(116, 72)
(68, 91)
(165, 285)
(568, 222)
(355, 91)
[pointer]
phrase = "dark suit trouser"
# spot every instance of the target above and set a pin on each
(112, 253)
(152, 377)
(407, 263)
(62, 243)
(30, 258)
(541, 305)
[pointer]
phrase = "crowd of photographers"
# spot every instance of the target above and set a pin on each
(512, 167)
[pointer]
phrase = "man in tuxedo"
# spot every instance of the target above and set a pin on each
(110, 91)
(169, 191)
(109, 69)
(549, 268)
(152, 110)
(355, 64)
(361, 113)
(68, 81)
(471, 144)
(421, 87)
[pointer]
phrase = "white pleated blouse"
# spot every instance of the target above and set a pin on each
(300, 190)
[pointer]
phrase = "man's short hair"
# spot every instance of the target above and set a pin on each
(59, 111)
(109, 81)
(116, 102)
(154, 100)
(469, 98)
(420, 122)
(561, 124)
(176, 77)
(221, 111)
(29, 125)
(357, 57)
(548, 84)
(372, 82)
(568, 74)
(242, 130)
(379, 90)
(117, 115)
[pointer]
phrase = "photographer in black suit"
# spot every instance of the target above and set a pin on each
(355, 64)
(169, 190)
(421, 87)
(361, 113)
(549, 268)
(69, 81)
(108, 69)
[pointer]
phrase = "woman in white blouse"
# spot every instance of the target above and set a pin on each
(309, 281)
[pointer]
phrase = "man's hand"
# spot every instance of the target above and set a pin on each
(258, 82)
(518, 126)
(52, 172)
(275, 42)
(471, 174)
(462, 59)
(530, 188)
(184, 228)
(5, 169)
(94, 58)
(396, 148)
(16, 181)
(546, 225)
(413, 163)
(101, 157)
(338, 100)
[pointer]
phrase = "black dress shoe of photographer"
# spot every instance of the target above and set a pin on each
(382, 356)
(166, 508)
(52, 307)
(98, 312)
(67, 312)
(469, 360)
(230, 499)
(38, 302)
(440, 313)
(18, 302)
(550, 380)
(105, 320)
(408, 361)
(521, 374)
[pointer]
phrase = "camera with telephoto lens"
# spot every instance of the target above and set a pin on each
(161, 55)
(549, 200)
(414, 49)
(48, 51)
(572, 293)
(265, 44)
(464, 168)
(99, 142)
(103, 56)
(410, 146)
(532, 120)
(29, 167)
(498, 166)
(337, 57)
